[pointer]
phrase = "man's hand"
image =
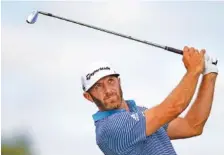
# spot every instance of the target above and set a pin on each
(193, 60)
(210, 65)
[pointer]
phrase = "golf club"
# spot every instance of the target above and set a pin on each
(32, 18)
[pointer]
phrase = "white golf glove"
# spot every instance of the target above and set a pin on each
(210, 65)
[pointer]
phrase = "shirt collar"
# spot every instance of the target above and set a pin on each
(102, 114)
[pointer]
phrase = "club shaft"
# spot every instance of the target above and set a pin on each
(171, 49)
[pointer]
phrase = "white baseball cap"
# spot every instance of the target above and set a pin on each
(95, 72)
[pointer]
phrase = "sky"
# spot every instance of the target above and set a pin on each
(42, 64)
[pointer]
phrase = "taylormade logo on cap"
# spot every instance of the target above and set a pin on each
(95, 72)
(88, 76)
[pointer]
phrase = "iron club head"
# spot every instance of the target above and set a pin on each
(32, 18)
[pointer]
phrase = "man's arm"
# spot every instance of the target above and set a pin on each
(173, 105)
(193, 123)
(180, 97)
(199, 112)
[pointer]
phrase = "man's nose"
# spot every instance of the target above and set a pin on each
(106, 89)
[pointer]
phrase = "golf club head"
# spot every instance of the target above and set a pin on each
(32, 18)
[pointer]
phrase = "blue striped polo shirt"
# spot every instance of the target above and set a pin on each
(121, 132)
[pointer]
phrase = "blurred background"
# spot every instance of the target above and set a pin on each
(43, 111)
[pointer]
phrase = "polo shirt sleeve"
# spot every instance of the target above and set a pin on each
(165, 126)
(125, 130)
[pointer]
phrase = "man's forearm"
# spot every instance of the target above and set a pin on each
(181, 96)
(200, 110)
(173, 105)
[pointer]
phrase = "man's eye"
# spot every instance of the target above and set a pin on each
(111, 80)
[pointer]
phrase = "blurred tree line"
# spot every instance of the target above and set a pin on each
(16, 145)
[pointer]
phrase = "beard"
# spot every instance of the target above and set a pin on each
(104, 106)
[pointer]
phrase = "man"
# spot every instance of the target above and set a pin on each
(123, 128)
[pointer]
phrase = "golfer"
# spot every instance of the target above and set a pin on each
(124, 128)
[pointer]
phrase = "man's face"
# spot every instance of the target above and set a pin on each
(107, 93)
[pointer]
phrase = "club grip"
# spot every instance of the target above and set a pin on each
(174, 50)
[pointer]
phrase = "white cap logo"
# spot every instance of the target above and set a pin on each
(88, 76)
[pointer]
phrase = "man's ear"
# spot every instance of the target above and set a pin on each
(88, 96)
(119, 79)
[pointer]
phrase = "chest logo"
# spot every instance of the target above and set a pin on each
(135, 116)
